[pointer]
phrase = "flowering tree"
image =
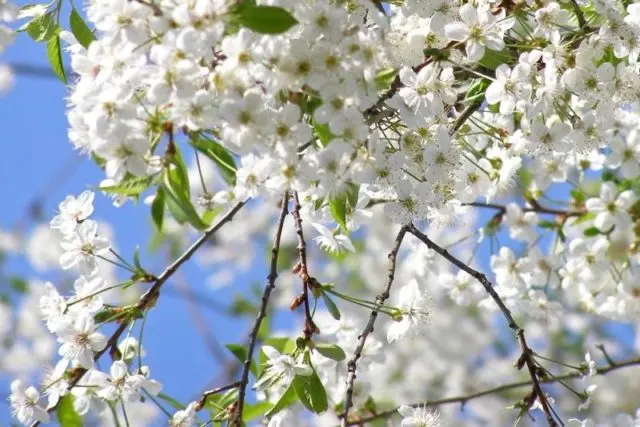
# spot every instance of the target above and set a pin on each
(449, 190)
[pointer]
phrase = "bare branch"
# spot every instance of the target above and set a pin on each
(526, 358)
(253, 337)
(380, 299)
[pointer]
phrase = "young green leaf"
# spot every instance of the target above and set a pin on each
(591, 232)
(80, 30)
(220, 156)
(240, 352)
(43, 27)
(54, 53)
(265, 19)
(157, 209)
(67, 415)
(287, 399)
(254, 411)
(323, 132)
(171, 401)
(338, 209)
(178, 200)
(132, 186)
(311, 392)
(332, 351)
(331, 306)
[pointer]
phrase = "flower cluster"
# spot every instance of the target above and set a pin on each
(73, 321)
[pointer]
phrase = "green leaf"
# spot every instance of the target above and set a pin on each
(136, 259)
(591, 232)
(80, 30)
(54, 53)
(18, 284)
(240, 352)
(584, 218)
(157, 209)
(492, 59)
(171, 401)
(265, 19)
(67, 415)
(338, 209)
(547, 224)
(311, 392)
(220, 156)
(385, 77)
(43, 28)
(254, 411)
(332, 351)
(132, 186)
(178, 199)
(323, 132)
(287, 399)
(331, 306)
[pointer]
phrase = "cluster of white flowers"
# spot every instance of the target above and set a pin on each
(425, 113)
(72, 321)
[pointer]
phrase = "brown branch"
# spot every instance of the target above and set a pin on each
(380, 299)
(579, 15)
(206, 394)
(526, 358)
(253, 336)
(498, 389)
(464, 116)
(303, 270)
(535, 208)
(149, 298)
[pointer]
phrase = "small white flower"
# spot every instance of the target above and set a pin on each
(281, 368)
(82, 247)
(415, 308)
(80, 340)
(120, 385)
(73, 211)
(332, 243)
(610, 207)
(24, 404)
(419, 417)
(185, 417)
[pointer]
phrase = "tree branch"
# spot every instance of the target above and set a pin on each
(380, 299)
(498, 389)
(303, 270)
(536, 208)
(149, 298)
(253, 336)
(526, 358)
(206, 394)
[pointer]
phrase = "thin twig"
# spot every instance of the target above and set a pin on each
(380, 299)
(537, 208)
(148, 299)
(253, 336)
(498, 389)
(206, 394)
(526, 357)
(309, 326)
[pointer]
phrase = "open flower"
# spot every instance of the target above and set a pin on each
(332, 243)
(24, 404)
(418, 417)
(281, 368)
(415, 308)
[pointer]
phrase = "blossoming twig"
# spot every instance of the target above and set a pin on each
(498, 389)
(213, 391)
(380, 299)
(148, 299)
(253, 337)
(526, 357)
